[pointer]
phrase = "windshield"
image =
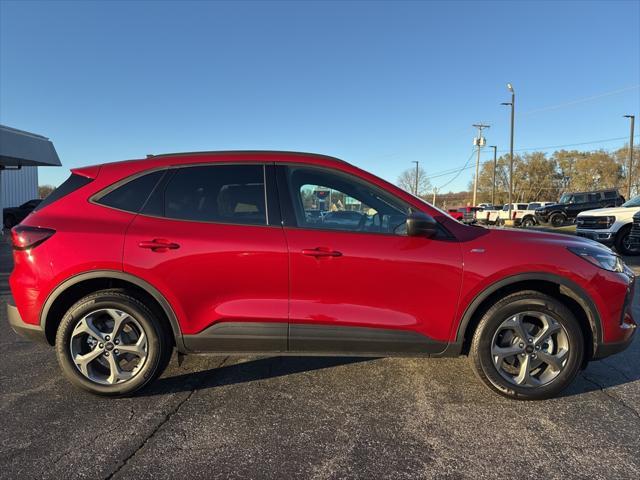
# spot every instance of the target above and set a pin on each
(634, 202)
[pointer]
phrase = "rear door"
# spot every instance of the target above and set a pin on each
(210, 240)
(359, 284)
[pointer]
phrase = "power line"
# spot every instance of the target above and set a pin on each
(581, 100)
(466, 165)
(444, 173)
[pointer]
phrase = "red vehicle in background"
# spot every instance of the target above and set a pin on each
(225, 253)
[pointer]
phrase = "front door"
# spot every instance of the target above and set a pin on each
(359, 284)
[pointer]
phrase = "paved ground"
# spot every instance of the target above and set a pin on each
(318, 418)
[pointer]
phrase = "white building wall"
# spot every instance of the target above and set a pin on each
(18, 186)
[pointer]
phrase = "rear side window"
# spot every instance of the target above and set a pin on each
(579, 198)
(533, 206)
(217, 193)
(611, 194)
(71, 184)
(594, 197)
(132, 195)
(522, 206)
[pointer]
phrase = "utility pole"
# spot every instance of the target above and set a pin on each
(513, 108)
(495, 165)
(435, 192)
(630, 165)
(417, 173)
(479, 141)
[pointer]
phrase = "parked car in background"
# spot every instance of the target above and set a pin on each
(213, 253)
(516, 208)
(14, 215)
(571, 204)
(488, 215)
(610, 226)
(527, 218)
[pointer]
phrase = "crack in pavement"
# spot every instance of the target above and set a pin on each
(615, 398)
(123, 463)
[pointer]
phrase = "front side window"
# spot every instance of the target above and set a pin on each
(217, 193)
(594, 197)
(580, 198)
(328, 200)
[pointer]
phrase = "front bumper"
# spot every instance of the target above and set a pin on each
(26, 330)
(604, 237)
(625, 328)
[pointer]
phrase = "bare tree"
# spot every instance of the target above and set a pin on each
(407, 181)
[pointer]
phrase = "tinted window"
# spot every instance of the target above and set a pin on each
(612, 194)
(579, 198)
(533, 206)
(218, 193)
(71, 184)
(594, 197)
(132, 195)
(522, 206)
(344, 202)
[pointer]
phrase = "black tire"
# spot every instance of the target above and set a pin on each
(529, 301)
(158, 342)
(622, 237)
(557, 219)
(10, 221)
(528, 222)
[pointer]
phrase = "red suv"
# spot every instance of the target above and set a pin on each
(292, 253)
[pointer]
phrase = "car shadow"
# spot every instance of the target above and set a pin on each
(245, 372)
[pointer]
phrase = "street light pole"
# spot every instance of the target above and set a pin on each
(630, 165)
(495, 163)
(513, 108)
(416, 182)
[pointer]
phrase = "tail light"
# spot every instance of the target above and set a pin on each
(24, 238)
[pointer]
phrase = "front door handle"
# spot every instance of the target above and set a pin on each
(159, 245)
(321, 252)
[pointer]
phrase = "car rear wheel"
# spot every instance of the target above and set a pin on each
(623, 243)
(110, 343)
(528, 222)
(527, 346)
(557, 219)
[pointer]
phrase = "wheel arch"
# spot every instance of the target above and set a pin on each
(76, 287)
(563, 289)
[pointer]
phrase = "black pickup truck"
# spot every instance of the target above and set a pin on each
(571, 204)
(14, 215)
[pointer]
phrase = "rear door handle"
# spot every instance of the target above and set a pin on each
(321, 252)
(159, 245)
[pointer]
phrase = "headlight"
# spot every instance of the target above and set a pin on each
(600, 257)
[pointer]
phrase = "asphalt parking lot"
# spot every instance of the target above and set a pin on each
(321, 418)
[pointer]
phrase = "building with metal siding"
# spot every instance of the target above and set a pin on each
(21, 153)
(18, 186)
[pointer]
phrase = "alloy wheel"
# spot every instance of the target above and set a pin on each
(530, 349)
(108, 346)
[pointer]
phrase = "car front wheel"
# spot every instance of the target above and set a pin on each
(527, 346)
(557, 219)
(623, 242)
(110, 343)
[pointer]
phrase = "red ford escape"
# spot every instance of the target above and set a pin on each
(293, 254)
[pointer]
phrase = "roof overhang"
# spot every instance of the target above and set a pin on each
(24, 149)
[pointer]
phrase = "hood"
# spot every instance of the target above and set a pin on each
(550, 205)
(533, 237)
(613, 211)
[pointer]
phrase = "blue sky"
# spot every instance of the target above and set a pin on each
(379, 84)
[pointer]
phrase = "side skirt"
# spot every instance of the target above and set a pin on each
(300, 339)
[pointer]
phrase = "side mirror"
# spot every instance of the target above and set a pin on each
(421, 225)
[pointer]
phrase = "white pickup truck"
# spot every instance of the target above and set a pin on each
(610, 226)
(527, 217)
